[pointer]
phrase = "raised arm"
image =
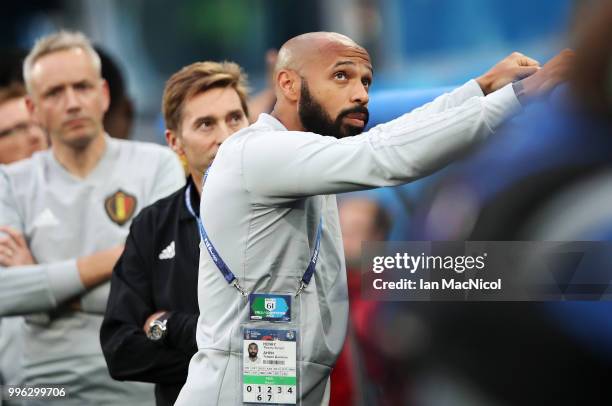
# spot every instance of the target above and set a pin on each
(402, 150)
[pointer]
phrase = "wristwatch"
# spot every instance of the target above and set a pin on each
(157, 328)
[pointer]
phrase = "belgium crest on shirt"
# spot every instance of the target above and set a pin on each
(120, 206)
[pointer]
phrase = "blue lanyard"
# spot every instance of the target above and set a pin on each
(228, 275)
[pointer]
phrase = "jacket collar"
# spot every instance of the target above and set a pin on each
(195, 201)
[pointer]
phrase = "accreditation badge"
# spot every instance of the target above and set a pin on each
(269, 373)
(270, 350)
(269, 307)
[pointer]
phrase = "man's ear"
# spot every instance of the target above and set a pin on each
(31, 106)
(174, 142)
(105, 95)
(289, 83)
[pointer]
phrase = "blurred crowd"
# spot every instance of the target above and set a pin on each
(546, 175)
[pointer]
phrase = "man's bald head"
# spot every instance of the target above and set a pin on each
(322, 81)
(307, 49)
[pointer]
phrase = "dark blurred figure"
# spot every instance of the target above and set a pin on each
(546, 176)
(263, 102)
(361, 219)
(119, 118)
(11, 62)
(364, 373)
(592, 81)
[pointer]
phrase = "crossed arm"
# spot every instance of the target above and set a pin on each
(28, 287)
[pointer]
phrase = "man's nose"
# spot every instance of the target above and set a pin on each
(224, 132)
(36, 134)
(360, 94)
(72, 100)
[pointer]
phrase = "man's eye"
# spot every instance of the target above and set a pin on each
(82, 86)
(367, 82)
(205, 125)
(340, 76)
(235, 119)
(16, 130)
(53, 93)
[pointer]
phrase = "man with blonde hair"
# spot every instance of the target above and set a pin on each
(66, 214)
(148, 333)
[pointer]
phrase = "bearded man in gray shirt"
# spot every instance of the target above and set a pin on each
(65, 214)
(273, 183)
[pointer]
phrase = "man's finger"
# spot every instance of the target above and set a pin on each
(4, 260)
(550, 84)
(8, 242)
(526, 71)
(6, 251)
(15, 235)
(527, 61)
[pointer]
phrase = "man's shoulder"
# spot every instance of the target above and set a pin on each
(23, 169)
(265, 124)
(260, 131)
(141, 149)
(164, 208)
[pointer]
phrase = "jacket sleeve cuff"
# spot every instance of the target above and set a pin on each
(501, 105)
(471, 89)
(64, 280)
(182, 332)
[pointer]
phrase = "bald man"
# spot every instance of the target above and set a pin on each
(272, 184)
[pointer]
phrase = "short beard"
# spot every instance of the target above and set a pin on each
(316, 120)
(79, 143)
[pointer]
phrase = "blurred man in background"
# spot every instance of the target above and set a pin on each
(119, 118)
(361, 219)
(148, 333)
(20, 134)
(359, 375)
(20, 137)
(65, 214)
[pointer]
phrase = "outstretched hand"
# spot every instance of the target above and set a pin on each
(515, 66)
(552, 74)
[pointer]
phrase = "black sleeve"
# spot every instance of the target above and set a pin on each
(129, 354)
(182, 332)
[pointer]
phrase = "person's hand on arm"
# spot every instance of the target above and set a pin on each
(154, 316)
(181, 330)
(515, 66)
(529, 77)
(553, 73)
(95, 271)
(26, 286)
(14, 250)
(92, 270)
(97, 268)
(129, 354)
